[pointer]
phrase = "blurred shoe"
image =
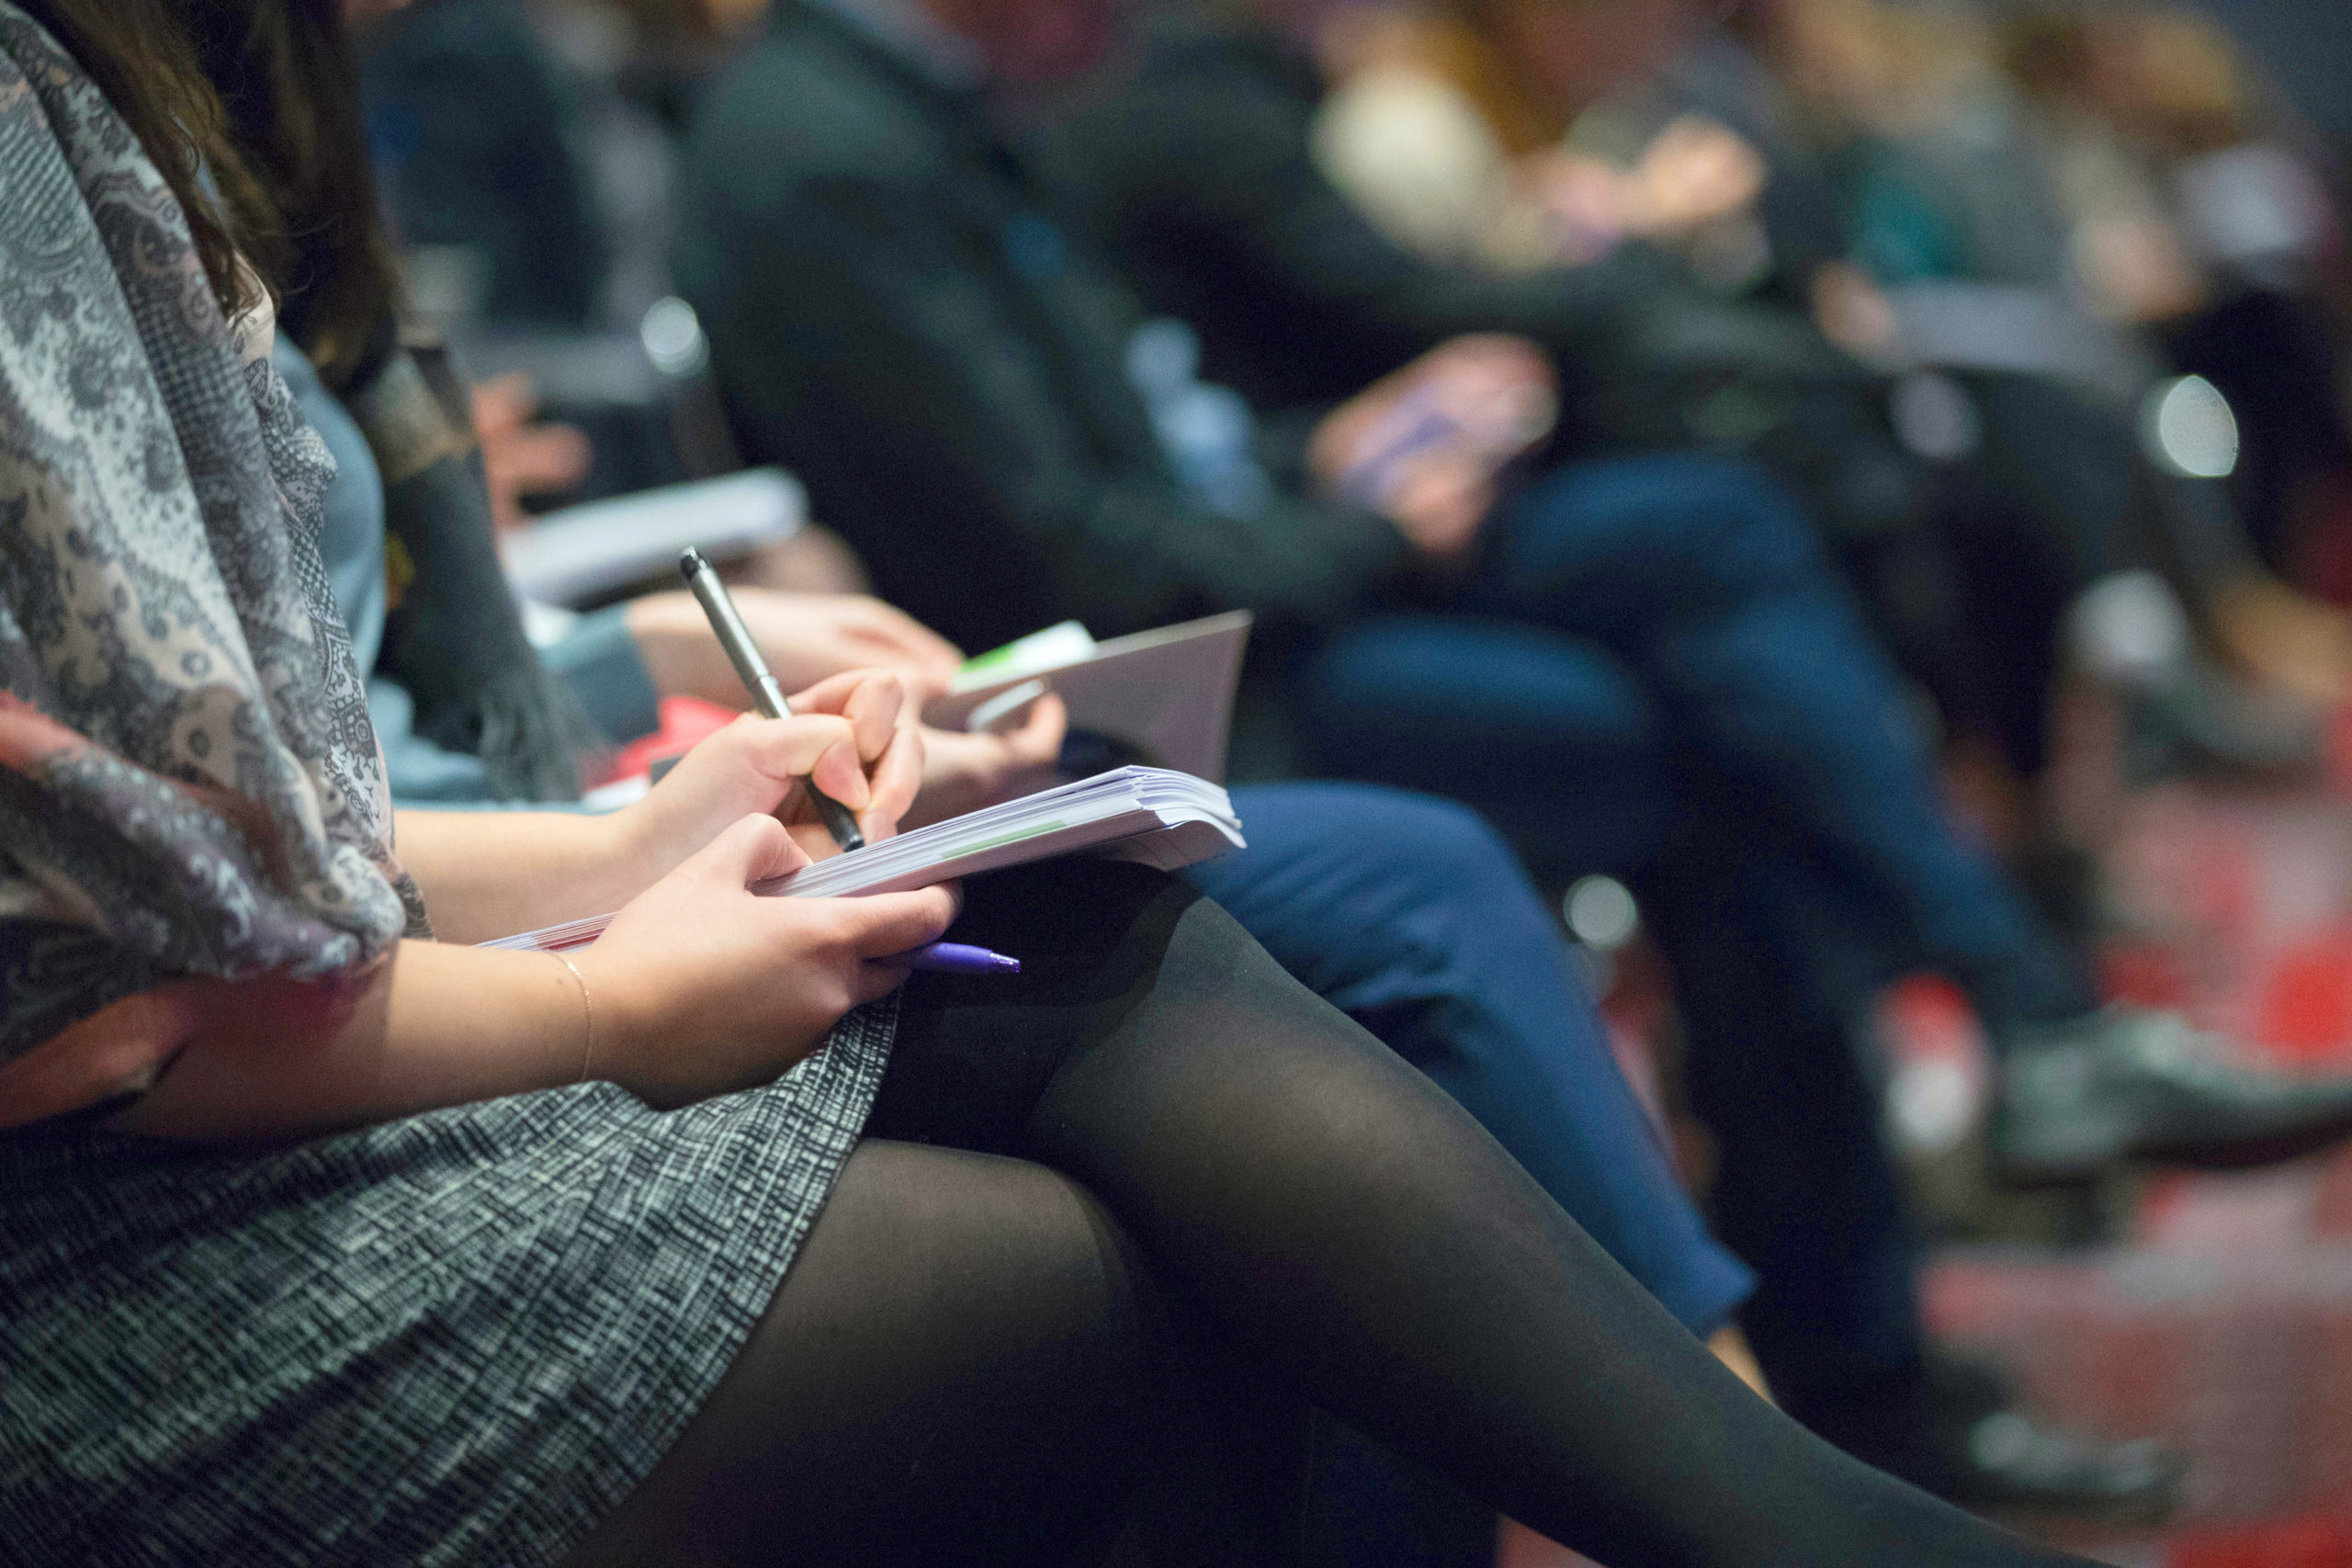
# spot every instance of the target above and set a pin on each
(2125, 1084)
(1952, 1428)
(2200, 722)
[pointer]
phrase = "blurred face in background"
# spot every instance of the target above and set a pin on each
(1579, 50)
(1034, 43)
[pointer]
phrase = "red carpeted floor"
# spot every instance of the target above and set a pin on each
(2219, 1312)
(2213, 1311)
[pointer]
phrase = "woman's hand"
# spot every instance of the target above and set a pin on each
(1695, 172)
(701, 987)
(521, 455)
(854, 736)
(966, 771)
(803, 636)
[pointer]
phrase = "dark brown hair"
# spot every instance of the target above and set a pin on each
(261, 98)
(141, 58)
(283, 71)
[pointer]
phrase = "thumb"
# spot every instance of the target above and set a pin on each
(753, 850)
(1039, 739)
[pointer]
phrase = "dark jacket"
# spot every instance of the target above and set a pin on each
(472, 122)
(1193, 168)
(893, 314)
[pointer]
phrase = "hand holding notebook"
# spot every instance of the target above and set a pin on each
(699, 987)
(1148, 815)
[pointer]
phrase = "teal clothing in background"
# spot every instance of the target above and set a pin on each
(350, 539)
(596, 656)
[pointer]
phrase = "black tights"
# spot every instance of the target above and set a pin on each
(1179, 1197)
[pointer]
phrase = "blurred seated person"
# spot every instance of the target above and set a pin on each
(1972, 169)
(896, 314)
(1430, 103)
(2194, 211)
(1196, 165)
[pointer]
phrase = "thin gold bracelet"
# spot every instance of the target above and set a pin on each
(587, 1015)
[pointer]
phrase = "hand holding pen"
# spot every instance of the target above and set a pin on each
(766, 695)
(743, 652)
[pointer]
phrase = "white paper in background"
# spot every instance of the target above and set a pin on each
(599, 545)
(1169, 693)
(1948, 325)
(2254, 207)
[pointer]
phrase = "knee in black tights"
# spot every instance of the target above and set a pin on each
(952, 1372)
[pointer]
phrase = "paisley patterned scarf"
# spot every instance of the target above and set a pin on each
(189, 782)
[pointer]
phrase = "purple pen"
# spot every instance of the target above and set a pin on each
(957, 958)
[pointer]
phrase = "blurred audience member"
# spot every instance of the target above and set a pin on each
(2051, 239)
(1940, 491)
(1448, 128)
(2196, 211)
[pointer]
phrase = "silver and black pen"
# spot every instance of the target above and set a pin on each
(766, 695)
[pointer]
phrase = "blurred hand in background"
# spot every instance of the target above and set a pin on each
(524, 457)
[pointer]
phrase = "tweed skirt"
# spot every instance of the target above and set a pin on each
(458, 1337)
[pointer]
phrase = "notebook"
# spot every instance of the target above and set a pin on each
(1153, 816)
(1168, 693)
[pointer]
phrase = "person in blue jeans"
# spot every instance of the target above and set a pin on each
(1680, 604)
(1771, 799)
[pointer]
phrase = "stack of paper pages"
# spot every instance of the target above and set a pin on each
(1151, 814)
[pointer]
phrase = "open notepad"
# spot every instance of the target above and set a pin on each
(1149, 814)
